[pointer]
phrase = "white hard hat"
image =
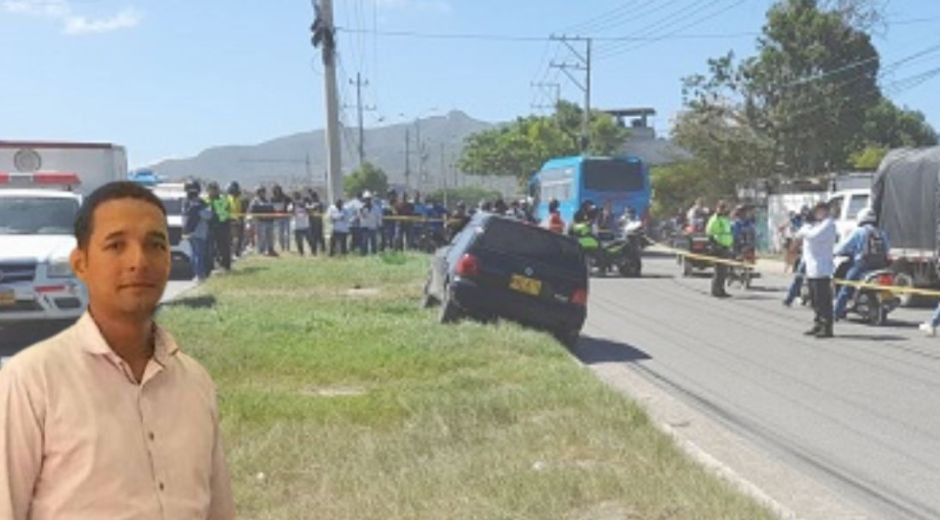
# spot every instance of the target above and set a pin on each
(867, 215)
(367, 194)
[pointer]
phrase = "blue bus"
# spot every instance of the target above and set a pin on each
(624, 181)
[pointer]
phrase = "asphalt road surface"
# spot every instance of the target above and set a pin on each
(17, 336)
(859, 414)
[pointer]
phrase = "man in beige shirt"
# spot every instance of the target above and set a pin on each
(109, 420)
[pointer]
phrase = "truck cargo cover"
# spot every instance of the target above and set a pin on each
(905, 197)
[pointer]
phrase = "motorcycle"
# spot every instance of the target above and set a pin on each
(871, 304)
(740, 275)
(604, 252)
(696, 243)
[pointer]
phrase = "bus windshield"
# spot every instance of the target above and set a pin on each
(611, 175)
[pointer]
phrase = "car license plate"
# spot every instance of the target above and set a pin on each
(7, 298)
(525, 285)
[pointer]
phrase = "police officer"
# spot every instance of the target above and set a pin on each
(722, 238)
(220, 228)
(867, 248)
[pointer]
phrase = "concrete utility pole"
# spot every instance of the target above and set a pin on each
(324, 37)
(583, 64)
(443, 175)
(360, 109)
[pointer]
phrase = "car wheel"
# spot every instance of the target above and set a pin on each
(450, 313)
(428, 301)
(568, 338)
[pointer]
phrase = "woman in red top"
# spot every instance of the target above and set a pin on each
(554, 222)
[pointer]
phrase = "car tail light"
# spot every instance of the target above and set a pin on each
(579, 297)
(885, 279)
(468, 265)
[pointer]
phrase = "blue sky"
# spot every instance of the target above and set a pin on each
(168, 78)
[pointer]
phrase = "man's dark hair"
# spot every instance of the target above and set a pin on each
(85, 218)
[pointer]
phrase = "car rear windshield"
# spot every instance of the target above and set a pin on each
(37, 215)
(530, 242)
(613, 175)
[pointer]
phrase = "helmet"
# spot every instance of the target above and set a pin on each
(867, 216)
(192, 187)
(233, 188)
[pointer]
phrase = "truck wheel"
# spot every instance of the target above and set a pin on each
(905, 280)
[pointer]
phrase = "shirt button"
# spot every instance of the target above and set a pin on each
(151, 436)
(161, 486)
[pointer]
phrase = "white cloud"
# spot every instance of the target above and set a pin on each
(51, 8)
(126, 19)
(73, 23)
(433, 6)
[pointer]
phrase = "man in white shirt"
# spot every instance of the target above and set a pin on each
(370, 218)
(339, 218)
(819, 242)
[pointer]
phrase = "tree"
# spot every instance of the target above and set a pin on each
(367, 177)
(893, 127)
(869, 158)
(520, 148)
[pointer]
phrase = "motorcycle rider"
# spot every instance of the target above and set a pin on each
(554, 222)
(720, 233)
(867, 248)
(696, 216)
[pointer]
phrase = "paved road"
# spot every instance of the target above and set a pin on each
(860, 414)
(15, 337)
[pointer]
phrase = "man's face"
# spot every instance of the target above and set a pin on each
(126, 263)
(821, 214)
(213, 192)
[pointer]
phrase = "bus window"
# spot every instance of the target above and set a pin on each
(607, 175)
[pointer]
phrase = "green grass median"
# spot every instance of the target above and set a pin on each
(341, 399)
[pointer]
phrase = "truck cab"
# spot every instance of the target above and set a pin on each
(172, 195)
(845, 206)
(36, 239)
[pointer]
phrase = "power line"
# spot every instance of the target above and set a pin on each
(648, 40)
(533, 38)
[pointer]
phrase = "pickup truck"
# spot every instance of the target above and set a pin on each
(36, 238)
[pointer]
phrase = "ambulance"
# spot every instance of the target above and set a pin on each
(37, 214)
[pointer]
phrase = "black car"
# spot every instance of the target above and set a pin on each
(499, 267)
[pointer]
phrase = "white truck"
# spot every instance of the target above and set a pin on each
(95, 164)
(36, 238)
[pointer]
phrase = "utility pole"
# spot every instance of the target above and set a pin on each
(546, 87)
(419, 149)
(360, 109)
(583, 64)
(324, 37)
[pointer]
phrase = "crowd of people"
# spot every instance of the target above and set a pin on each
(222, 225)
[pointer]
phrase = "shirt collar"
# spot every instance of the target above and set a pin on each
(93, 342)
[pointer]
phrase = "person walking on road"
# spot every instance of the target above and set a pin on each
(819, 241)
(220, 227)
(554, 222)
(867, 247)
(722, 237)
(339, 236)
(198, 216)
(110, 419)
